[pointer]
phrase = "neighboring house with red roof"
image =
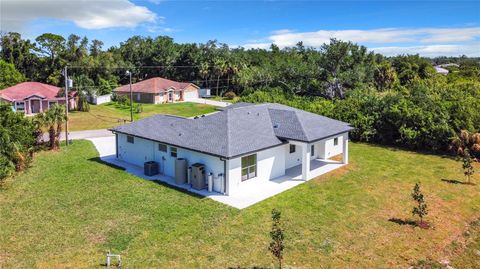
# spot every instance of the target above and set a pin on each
(34, 97)
(159, 90)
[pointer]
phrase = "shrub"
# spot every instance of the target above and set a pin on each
(421, 207)
(122, 99)
(17, 140)
(230, 95)
(467, 166)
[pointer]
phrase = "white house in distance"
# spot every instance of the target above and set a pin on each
(159, 90)
(239, 145)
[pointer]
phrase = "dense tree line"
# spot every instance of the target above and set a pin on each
(393, 100)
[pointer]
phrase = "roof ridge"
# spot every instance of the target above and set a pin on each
(301, 124)
(228, 132)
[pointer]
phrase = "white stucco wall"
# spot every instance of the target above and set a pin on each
(293, 159)
(325, 149)
(270, 164)
(145, 150)
(137, 153)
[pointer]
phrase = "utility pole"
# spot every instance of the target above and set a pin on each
(65, 74)
(131, 96)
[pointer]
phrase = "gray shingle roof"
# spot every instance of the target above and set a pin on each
(237, 130)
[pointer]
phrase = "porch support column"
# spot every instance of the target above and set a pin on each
(305, 161)
(345, 149)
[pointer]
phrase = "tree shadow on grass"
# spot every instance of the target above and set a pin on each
(98, 160)
(454, 181)
(404, 222)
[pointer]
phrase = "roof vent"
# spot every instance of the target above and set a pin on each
(203, 116)
(276, 125)
(196, 117)
(258, 113)
(171, 124)
(180, 134)
(248, 112)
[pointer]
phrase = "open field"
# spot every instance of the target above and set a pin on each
(112, 114)
(68, 209)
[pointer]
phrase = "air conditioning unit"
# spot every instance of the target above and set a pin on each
(150, 168)
(198, 176)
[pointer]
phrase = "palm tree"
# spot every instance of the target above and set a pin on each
(220, 69)
(204, 72)
(39, 122)
(54, 119)
(232, 70)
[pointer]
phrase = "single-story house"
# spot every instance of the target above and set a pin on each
(159, 90)
(35, 97)
(241, 144)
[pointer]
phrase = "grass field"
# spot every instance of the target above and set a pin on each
(68, 209)
(112, 114)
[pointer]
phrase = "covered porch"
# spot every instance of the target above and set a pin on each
(317, 168)
(317, 157)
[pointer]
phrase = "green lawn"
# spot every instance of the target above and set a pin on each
(112, 114)
(68, 209)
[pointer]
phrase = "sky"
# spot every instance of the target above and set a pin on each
(429, 28)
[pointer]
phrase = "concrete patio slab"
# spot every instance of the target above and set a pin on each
(247, 195)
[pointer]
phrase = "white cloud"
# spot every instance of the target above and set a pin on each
(257, 45)
(472, 50)
(419, 36)
(158, 29)
(286, 38)
(88, 14)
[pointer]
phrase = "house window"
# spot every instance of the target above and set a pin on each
(20, 106)
(249, 167)
(162, 147)
(292, 148)
(130, 139)
(335, 141)
(50, 104)
(173, 152)
(138, 96)
(312, 150)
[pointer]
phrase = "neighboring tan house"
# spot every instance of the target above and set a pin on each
(241, 144)
(159, 90)
(35, 97)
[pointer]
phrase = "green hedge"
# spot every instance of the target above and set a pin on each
(423, 115)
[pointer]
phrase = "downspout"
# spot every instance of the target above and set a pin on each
(116, 144)
(224, 176)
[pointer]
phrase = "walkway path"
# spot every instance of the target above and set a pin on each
(209, 102)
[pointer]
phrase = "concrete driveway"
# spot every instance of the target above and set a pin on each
(83, 134)
(209, 102)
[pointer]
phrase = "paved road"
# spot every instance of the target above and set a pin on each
(209, 102)
(84, 134)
